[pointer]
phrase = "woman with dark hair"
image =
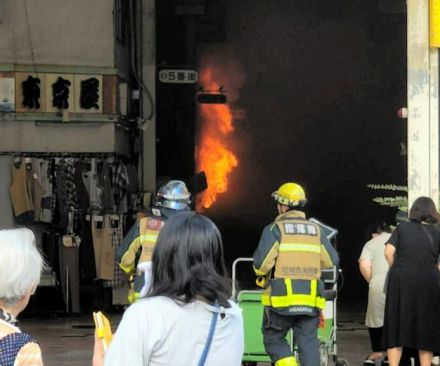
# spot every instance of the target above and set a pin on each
(374, 268)
(412, 308)
(187, 312)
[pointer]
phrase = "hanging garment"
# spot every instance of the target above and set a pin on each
(6, 211)
(81, 190)
(116, 239)
(50, 249)
(54, 198)
(90, 179)
(20, 191)
(38, 190)
(120, 183)
(86, 251)
(69, 274)
(102, 244)
(133, 184)
(66, 190)
(105, 181)
(45, 180)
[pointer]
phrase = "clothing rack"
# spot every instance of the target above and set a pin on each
(90, 170)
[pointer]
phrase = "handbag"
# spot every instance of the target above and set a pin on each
(209, 339)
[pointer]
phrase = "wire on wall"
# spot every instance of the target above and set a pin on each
(133, 57)
(30, 36)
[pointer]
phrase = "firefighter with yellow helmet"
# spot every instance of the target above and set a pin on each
(288, 260)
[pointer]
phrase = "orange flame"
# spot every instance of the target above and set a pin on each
(212, 155)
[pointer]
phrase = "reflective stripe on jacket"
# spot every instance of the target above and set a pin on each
(137, 247)
(140, 243)
(293, 252)
(285, 292)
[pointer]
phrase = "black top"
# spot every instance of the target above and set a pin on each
(412, 309)
(414, 248)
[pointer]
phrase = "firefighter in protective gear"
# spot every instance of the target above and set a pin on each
(135, 253)
(288, 262)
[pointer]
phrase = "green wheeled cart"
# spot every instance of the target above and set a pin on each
(250, 303)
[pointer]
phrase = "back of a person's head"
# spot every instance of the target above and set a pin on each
(423, 209)
(188, 260)
(20, 264)
(377, 227)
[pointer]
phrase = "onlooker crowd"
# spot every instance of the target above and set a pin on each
(402, 269)
(412, 307)
(187, 313)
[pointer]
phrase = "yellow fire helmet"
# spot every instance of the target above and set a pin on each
(290, 194)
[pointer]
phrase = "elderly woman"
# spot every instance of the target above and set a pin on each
(20, 269)
(187, 317)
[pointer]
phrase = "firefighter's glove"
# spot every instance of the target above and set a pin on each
(262, 281)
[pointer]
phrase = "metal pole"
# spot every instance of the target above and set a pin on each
(148, 71)
(67, 289)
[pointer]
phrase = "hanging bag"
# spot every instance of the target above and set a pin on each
(210, 336)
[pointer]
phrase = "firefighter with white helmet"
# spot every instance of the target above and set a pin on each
(288, 260)
(135, 253)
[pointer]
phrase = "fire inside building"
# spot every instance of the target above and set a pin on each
(102, 105)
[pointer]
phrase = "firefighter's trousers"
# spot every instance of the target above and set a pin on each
(305, 330)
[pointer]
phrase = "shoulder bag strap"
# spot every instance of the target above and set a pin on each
(428, 234)
(209, 339)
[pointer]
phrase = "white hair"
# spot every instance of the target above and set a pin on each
(20, 264)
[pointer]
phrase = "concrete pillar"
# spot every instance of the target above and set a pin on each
(148, 47)
(423, 106)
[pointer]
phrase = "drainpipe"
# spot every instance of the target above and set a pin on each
(423, 106)
(148, 72)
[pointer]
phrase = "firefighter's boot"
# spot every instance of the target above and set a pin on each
(287, 361)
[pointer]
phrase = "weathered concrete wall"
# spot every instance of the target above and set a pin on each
(60, 32)
(73, 137)
(423, 106)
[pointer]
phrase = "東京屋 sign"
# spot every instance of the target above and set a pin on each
(175, 76)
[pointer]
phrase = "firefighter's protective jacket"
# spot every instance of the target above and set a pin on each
(137, 247)
(291, 253)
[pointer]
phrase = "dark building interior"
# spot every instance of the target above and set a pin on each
(320, 84)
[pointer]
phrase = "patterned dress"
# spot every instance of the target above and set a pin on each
(11, 340)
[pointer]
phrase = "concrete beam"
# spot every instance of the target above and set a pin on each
(423, 106)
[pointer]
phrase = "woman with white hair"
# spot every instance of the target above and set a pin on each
(20, 270)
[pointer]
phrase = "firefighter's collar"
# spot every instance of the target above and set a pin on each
(291, 214)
